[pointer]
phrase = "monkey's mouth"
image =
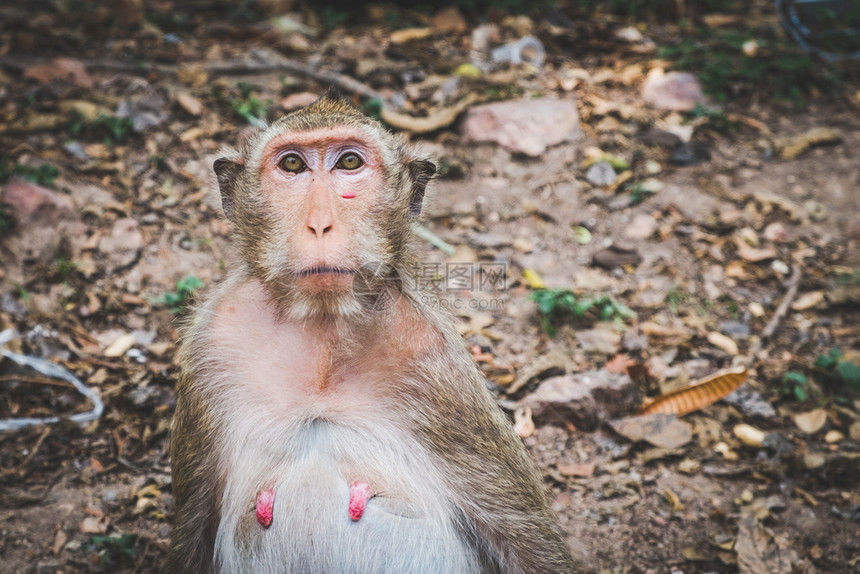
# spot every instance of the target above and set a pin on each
(325, 270)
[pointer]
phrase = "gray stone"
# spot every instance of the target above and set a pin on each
(601, 173)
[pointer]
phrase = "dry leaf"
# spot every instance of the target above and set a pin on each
(725, 343)
(808, 300)
(664, 431)
(811, 422)
(60, 539)
(409, 34)
(583, 470)
(532, 279)
(697, 395)
(189, 103)
(122, 344)
(434, 121)
(749, 435)
(752, 254)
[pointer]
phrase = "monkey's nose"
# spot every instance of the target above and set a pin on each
(319, 229)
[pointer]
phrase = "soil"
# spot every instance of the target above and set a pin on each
(638, 508)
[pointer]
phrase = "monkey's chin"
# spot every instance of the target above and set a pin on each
(324, 306)
(325, 283)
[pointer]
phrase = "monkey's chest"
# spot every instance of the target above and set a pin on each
(334, 498)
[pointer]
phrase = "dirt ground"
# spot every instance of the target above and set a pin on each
(141, 216)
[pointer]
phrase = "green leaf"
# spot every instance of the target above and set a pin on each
(800, 393)
(849, 373)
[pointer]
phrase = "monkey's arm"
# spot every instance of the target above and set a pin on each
(195, 486)
(495, 482)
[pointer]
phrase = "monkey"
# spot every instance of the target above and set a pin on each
(315, 430)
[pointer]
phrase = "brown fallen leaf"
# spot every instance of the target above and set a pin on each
(752, 254)
(808, 300)
(792, 147)
(760, 551)
(811, 422)
(583, 470)
(60, 69)
(724, 342)
(189, 103)
(749, 435)
(664, 431)
(409, 34)
(698, 395)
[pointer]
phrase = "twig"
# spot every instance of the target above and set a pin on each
(30, 456)
(770, 328)
(35, 380)
(790, 294)
(434, 240)
(341, 81)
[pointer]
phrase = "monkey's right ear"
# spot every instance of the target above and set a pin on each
(420, 172)
(228, 172)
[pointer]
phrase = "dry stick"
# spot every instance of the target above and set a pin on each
(341, 81)
(30, 456)
(770, 328)
(36, 380)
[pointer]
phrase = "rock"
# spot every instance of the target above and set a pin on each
(524, 126)
(614, 256)
(642, 227)
(582, 399)
(601, 173)
(654, 136)
(630, 34)
(189, 103)
(690, 153)
(45, 220)
(678, 91)
(32, 204)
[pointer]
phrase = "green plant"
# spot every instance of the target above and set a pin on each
(250, 108)
(44, 174)
(115, 550)
(177, 300)
(556, 306)
(796, 384)
(675, 298)
(727, 66)
(840, 374)
(112, 129)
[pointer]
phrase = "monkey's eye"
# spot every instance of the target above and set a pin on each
(350, 161)
(292, 162)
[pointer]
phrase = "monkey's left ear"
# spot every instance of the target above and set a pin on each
(227, 171)
(420, 172)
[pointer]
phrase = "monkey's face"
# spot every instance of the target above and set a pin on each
(319, 196)
(323, 195)
(324, 190)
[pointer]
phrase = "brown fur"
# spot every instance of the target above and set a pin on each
(262, 384)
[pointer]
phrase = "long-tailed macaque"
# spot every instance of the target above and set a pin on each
(316, 431)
